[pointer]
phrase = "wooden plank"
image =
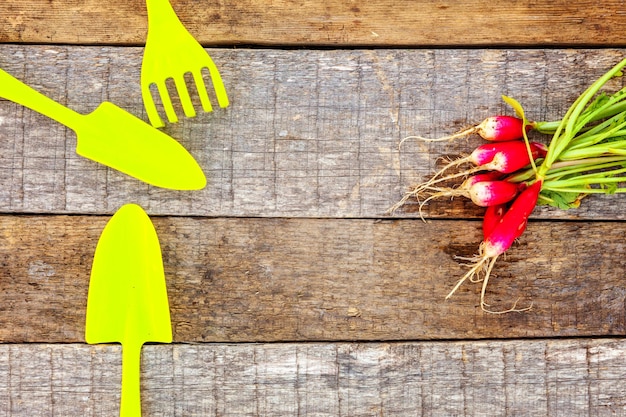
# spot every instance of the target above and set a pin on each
(329, 22)
(310, 133)
(521, 378)
(269, 280)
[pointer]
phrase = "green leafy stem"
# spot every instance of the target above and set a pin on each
(587, 151)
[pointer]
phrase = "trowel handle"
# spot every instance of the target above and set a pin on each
(13, 89)
(130, 405)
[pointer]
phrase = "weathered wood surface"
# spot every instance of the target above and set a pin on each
(310, 133)
(508, 378)
(327, 22)
(253, 280)
(290, 243)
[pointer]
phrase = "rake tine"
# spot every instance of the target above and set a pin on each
(183, 95)
(167, 102)
(218, 85)
(150, 106)
(202, 93)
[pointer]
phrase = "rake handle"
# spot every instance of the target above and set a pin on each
(160, 12)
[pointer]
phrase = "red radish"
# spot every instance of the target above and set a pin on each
(483, 176)
(483, 189)
(502, 128)
(510, 156)
(499, 156)
(503, 157)
(493, 129)
(491, 193)
(492, 217)
(485, 153)
(513, 223)
(500, 238)
(540, 148)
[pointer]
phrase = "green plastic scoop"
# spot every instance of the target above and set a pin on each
(115, 138)
(127, 300)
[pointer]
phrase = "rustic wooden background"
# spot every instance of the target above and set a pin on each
(292, 291)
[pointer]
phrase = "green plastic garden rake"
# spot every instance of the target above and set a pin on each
(171, 52)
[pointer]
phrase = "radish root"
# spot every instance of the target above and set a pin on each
(482, 264)
(462, 133)
(423, 188)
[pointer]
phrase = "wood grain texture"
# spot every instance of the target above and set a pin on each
(327, 22)
(491, 378)
(269, 280)
(310, 133)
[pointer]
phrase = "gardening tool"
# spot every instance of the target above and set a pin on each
(170, 53)
(127, 300)
(115, 138)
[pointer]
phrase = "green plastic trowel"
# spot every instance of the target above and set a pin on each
(113, 137)
(127, 301)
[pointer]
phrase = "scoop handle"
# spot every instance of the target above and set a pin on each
(130, 404)
(14, 90)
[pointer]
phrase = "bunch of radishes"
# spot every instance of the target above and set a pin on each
(510, 175)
